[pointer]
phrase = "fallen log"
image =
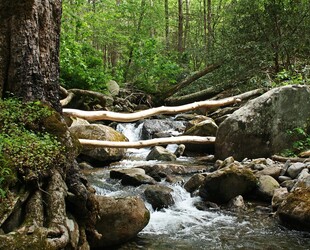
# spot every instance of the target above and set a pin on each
(291, 159)
(130, 117)
(149, 143)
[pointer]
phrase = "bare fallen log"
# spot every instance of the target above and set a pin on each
(291, 159)
(130, 117)
(149, 143)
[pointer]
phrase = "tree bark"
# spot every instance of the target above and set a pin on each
(29, 50)
(149, 143)
(125, 117)
(180, 27)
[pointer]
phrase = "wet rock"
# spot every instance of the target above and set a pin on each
(294, 211)
(132, 176)
(206, 205)
(226, 183)
(159, 196)
(294, 169)
(246, 132)
(172, 169)
(278, 197)
(120, 220)
(271, 171)
(180, 150)
(266, 186)
(154, 126)
(99, 132)
(194, 182)
(237, 203)
(160, 154)
(284, 178)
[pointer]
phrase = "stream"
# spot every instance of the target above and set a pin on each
(183, 226)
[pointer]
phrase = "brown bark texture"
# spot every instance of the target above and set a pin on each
(29, 50)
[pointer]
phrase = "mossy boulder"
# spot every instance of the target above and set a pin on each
(224, 184)
(99, 132)
(294, 211)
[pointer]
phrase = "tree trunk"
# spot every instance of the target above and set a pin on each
(29, 50)
(180, 27)
(167, 24)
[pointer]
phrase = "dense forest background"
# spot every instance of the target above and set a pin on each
(152, 44)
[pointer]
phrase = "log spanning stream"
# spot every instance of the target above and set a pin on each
(184, 227)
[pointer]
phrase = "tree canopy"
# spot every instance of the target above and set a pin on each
(155, 44)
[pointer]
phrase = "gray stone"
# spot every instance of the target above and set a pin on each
(206, 127)
(120, 219)
(159, 196)
(284, 178)
(160, 154)
(295, 168)
(237, 203)
(259, 128)
(153, 126)
(132, 176)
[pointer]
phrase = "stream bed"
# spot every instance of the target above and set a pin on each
(184, 227)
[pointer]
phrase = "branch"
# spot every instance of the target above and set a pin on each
(191, 79)
(130, 117)
(149, 143)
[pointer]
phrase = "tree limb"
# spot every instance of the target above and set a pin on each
(191, 79)
(149, 143)
(130, 117)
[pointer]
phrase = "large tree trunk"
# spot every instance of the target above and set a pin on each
(29, 50)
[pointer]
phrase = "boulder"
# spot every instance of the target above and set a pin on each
(278, 197)
(155, 126)
(295, 168)
(266, 187)
(99, 132)
(204, 127)
(159, 196)
(120, 219)
(259, 128)
(194, 182)
(113, 88)
(237, 203)
(226, 183)
(159, 153)
(294, 211)
(132, 176)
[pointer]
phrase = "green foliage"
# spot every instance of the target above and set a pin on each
(302, 143)
(152, 70)
(27, 151)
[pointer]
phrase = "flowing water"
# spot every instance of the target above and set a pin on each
(183, 226)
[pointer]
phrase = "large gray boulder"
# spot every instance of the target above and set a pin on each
(260, 128)
(120, 220)
(99, 132)
(159, 196)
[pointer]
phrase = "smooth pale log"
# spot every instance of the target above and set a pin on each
(130, 117)
(149, 143)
